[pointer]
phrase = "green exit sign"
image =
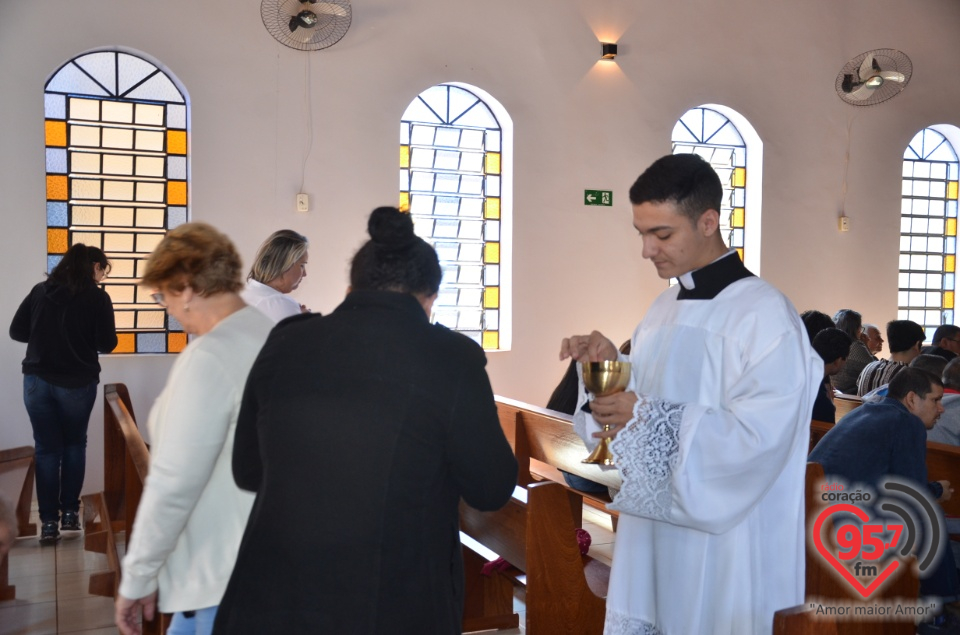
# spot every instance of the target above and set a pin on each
(598, 197)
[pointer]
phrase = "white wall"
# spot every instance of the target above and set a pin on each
(580, 124)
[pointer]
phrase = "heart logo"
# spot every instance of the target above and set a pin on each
(865, 591)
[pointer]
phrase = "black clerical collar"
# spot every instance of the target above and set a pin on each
(707, 282)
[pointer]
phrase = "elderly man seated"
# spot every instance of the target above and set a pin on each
(947, 429)
(872, 339)
(945, 343)
(904, 338)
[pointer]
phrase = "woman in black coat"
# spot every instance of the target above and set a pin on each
(66, 321)
(360, 431)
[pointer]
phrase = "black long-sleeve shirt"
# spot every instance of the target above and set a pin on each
(64, 332)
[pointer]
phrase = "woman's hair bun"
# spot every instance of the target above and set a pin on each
(389, 228)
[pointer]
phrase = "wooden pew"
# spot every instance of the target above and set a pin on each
(535, 533)
(544, 442)
(17, 469)
(126, 464)
(845, 404)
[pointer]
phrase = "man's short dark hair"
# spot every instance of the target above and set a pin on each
(948, 331)
(831, 344)
(933, 364)
(912, 380)
(902, 335)
(814, 322)
(849, 321)
(951, 374)
(685, 180)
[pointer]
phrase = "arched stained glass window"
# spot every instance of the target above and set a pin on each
(710, 133)
(455, 146)
(928, 231)
(116, 163)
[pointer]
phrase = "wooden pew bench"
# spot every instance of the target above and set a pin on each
(535, 533)
(17, 470)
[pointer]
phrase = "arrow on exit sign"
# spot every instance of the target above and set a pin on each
(598, 197)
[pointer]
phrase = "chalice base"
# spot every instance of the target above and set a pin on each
(601, 454)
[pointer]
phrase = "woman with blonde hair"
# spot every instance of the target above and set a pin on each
(280, 265)
(191, 517)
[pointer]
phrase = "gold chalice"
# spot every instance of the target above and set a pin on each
(602, 379)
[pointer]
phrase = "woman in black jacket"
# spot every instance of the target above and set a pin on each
(65, 321)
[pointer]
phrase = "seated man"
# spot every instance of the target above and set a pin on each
(947, 429)
(929, 363)
(946, 342)
(832, 345)
(850, 322)
(888, 438)
(904, 338)
(873, 339)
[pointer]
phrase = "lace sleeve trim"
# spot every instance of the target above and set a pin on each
(617, 623)
(646, 452)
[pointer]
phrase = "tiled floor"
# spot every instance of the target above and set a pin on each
(52, 584)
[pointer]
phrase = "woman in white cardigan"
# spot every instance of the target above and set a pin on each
(280, 265)
(192, 515)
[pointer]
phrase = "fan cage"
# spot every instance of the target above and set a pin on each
(888, 60)
(329, 30)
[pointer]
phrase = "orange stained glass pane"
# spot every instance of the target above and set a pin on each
(737, 217)
(949, 263)
(56, 132)
(951, 227)
(491, 340)
(56, 188)
(491, 253)
(952, 190)
(493, 163)
(56, 241)
(177, 141)
(404, 156)
(948, 299)
(404, 201)
(126, 343)
(491, 208)
(176, 342)
(739, 177)
(491, 297)
(740, 252)
(177, 193)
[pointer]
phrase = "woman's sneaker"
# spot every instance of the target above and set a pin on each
(49, 534)
(70, 521)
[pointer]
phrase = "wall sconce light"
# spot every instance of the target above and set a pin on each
(608, 50)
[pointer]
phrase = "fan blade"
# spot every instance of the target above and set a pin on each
(866, 68)
(893, 76)
(862, 93)
(331, 8)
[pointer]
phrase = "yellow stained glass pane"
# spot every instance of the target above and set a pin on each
(491, 253)
(949, 263)
(737, 217)
(56, 188)
(177, 193)
(126, 343)
(56, 133)
(491, 340)
(491, 297)
(404, 156)
(739, 177)
(119, 111)
(948, 299)
(404, 202)
(177, 141)
(118, 164)
(493, 163)
(952, 190)
(491, 208)
(86, 215)
(176, 342)
(740, 252)
(56, 241)
(951, 227)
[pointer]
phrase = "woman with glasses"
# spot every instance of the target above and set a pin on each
(65, 321)
(185, 538)
(280, 265)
